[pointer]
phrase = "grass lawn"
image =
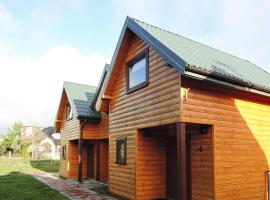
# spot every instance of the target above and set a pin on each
(23, 186)
(8, 165)
(15, 183)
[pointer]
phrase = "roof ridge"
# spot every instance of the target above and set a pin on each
(162, 29)
(79, 84)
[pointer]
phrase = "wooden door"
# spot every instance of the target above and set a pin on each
(90, 161)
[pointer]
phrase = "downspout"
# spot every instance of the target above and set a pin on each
(98, 161)
(82, 123)
(267, 185)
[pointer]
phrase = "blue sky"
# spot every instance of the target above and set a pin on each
(43, 43)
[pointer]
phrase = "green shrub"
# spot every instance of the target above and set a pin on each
(24, 150)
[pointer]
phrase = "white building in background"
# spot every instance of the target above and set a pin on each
(41, 142)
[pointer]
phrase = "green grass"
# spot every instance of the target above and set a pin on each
(15, 183)
(104, 190)
(8, 165)
(46, 165)
(22, 186)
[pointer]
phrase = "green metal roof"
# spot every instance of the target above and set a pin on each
(80, 98)
(200, 56)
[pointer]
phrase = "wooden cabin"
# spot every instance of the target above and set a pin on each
(186, 121)
(84, 134)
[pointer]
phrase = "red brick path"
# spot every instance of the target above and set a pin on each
(71, 189)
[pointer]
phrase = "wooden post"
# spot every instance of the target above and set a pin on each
(181, 161)
(80, 161)
(98, 161)
(80, 152)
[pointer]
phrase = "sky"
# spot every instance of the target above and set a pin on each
(43, 43)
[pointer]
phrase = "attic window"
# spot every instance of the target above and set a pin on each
(69, 114)
(137, 72)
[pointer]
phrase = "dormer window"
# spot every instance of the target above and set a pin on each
(137, 72)
(69, 114)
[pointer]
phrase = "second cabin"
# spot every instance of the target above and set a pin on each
(84, 134)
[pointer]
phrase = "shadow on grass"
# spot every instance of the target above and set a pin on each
(23, 186)
(45, 165)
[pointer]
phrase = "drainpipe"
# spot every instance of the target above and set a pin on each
(82, 123)
(98, 161)
(267, 174)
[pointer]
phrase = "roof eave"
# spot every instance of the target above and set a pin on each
(100, 85)
(88, 118)
(71, 102)
(169, 56)
(223, 79)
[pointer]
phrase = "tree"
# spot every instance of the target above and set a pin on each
(11, 142)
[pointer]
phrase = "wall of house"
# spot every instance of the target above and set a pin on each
(154, 105)
(72, 171)
(201, 163)
(104, 158)
(241, 137)
(70, 131)
(151, 167)
(97, 130)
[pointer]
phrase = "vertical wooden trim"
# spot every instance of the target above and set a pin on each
(80, 150)
(213, 158)
(181, 161)
(80, 161)
(180, 97)
(88, 160)
(136, 162)
(189, 171)
(98, 161)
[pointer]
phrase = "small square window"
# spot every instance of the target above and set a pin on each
(64, 152)
(121, 149)
(137, 72)
(69, 113)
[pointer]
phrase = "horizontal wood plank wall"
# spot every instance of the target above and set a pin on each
(242, 131)
(104, 153)
(151, 167)
(84, 160)
(201, 165)
(69, 131)
(73, 160)
(98, 130)
(154, 105)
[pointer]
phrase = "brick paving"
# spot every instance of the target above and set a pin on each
(72, 189)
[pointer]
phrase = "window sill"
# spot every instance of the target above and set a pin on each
(137, 87)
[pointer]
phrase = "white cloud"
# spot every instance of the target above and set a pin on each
(238, 27)
(7, 21)
(31, 89)
(244, 30)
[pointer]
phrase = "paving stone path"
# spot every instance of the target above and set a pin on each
(72, 189)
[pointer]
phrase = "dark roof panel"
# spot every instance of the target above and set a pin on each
(80, 98)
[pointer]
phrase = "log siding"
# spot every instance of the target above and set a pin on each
(156, 104)
(241, 137)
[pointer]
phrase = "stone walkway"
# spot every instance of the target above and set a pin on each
(72, 189)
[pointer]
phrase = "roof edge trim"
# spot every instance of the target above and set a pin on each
(170, 57)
